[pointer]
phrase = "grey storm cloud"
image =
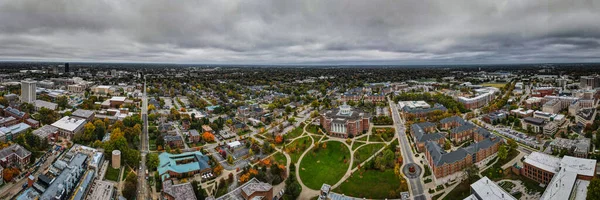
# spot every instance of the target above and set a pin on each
(308, 31)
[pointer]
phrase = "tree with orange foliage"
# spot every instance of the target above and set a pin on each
(266, 162)
(9, 173)
(208, 137)
(218, 169)
(279, 139)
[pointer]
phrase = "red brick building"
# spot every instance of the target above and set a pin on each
(345, 122)
(444, 163)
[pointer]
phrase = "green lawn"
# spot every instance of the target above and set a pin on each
(312, 129)
(371, 184)
(327, 165)
(364, 138)
(280, 158)
(356, 145)
(112, 174)
(294, 133)
(296, 148)
(316, 138)
(365, 152)
(375, 138)
(126, 173)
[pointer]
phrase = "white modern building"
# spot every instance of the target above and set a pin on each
(28, 91)
(486, 189)
(69, 126)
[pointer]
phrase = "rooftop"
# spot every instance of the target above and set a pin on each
(236, 194)
(168, 162)
(543, 161)
(16, 149)
(488, 190)
(68, 123)
(561, 185)
(45, 104)
(45, 130)
(251, 188)
(82, 113)
(181, 191)
(581, 166)
(101, 190)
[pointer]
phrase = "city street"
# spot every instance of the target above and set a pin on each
(142, 184)
(415, 184)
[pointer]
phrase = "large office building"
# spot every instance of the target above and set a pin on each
(483, 97)
(589, 82)
(69, 126)
(542, 167)
(184, 164)
(345, 121)
(28, 91)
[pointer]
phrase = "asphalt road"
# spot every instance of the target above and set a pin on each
(416, 185)
(142, 186)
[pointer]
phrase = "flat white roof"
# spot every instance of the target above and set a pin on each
(581, 188)
(69, 123)
(543, 161)
(561, 185)
(104, 86)
(581, 166)
(117, 99)
(234, 144)
(489, 190)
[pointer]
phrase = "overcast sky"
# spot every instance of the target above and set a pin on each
(302, 31)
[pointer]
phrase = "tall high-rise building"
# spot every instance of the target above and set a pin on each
(66, 67)
(28, 91)
(589, 82)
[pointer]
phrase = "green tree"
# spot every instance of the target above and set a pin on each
(62, 102)
(48, 116)
(198, 191)
(502, 152)
(130, 188)
(593, 190)
(100, 129)
(152, 161)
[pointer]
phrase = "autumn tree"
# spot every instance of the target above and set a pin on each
(208, 137)
(278, 139)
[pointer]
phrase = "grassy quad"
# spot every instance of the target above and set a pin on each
(296, 148)
(356, 145)
(280, 158)
(312, 128)
(327, 165)
(112, 174)
(370, 184)
(365, 152)
(294, 133)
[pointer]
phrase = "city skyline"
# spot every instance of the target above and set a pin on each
(306, 32)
